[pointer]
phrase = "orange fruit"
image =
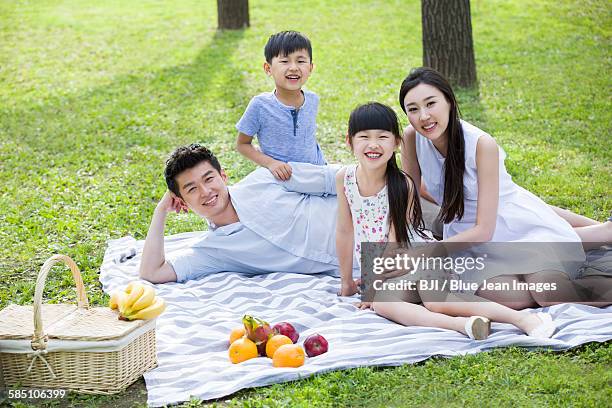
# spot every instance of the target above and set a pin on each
(241, 350)
(275, 342)
(237, 333)
(288, 355)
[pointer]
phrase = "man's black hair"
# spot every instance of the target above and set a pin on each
(286, 42)
(185, 158)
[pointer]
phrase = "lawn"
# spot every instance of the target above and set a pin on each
(94, 95)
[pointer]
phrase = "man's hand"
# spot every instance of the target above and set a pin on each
(281, 170)
(170, 202)
(349, 288)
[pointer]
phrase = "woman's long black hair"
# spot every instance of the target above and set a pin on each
(454, 167)
(375, 115)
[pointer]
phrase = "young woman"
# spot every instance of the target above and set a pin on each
(463, 169)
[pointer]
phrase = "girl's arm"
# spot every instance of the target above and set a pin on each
(408, 156)
(487, 170)
(344, 239)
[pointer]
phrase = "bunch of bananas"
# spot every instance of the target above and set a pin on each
(137, 301)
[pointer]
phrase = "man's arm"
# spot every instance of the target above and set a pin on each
(312, 179)
(153, 265)
(281, 170)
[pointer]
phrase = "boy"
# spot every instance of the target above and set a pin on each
(283, 120)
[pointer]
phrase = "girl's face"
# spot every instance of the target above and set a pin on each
(373, 148)
(428, 111)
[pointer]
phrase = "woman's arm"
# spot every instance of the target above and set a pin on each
(344, 239)
(425, 194)
(408, 157)
(487, 169)
(575, 220)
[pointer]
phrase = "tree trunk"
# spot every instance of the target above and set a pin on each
(447, 40)
(233, 14)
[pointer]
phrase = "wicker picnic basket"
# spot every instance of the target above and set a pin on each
(79, 348)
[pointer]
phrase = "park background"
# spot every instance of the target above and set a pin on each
(95, 95)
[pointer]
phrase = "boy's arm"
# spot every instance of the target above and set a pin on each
(344, 240)
(281, 170)
(153, 265)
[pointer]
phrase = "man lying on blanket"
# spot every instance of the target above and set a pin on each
(259, 225)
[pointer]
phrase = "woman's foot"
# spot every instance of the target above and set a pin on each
(478, 327)
(539, 325)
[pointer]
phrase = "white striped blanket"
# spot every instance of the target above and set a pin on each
(192, 335)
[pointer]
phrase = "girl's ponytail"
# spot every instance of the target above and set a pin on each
(399, 197)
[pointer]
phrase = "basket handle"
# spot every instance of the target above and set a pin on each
(39, 341)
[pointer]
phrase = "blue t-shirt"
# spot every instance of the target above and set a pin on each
(284, 132)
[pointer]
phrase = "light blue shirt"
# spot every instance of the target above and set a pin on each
(284, 132)
(285, 226)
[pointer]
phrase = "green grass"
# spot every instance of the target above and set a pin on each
(94, 95)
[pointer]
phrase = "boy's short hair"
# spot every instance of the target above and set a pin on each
(286, 42)
(184, 158)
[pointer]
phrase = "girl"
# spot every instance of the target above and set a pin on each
(463, 169)
(378, 202)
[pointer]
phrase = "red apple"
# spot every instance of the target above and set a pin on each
(286, 329)
(315, 344)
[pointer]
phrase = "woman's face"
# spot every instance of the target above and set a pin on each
(428, 111)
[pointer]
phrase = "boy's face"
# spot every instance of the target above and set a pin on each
(290, 72)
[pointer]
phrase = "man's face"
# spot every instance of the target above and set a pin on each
(204, 191)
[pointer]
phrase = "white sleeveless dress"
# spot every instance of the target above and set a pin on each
(370, 215)
(521, 216)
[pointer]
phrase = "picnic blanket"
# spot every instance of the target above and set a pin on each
(193, 332)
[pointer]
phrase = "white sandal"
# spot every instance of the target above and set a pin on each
(478, 327)
(546, 329)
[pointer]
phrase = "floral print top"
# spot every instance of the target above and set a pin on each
(370, 214)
